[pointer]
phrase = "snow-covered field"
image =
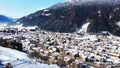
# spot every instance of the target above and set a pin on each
(10, 54)
(19, 59)
(16, 58)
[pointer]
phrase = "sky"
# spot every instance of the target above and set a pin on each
(20, 8)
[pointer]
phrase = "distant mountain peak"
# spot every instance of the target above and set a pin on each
(5, 19)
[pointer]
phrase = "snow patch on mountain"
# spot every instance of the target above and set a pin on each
(84, 27)
(118, 23)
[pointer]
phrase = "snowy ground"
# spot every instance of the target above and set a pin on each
(10, 54)
(19, 59)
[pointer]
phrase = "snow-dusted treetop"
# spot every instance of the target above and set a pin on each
(72, 1)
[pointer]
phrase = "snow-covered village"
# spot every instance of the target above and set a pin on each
(43, 49)
(60, 34)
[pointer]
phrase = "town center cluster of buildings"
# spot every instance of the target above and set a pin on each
(72, 50)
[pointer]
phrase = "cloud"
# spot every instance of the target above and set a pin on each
(2, 11)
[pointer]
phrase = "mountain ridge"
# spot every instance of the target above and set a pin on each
(68, 17)
(5, 19)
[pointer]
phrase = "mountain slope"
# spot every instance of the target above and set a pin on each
(69, 17)
(5, 19)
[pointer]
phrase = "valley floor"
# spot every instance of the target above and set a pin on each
(46, 49)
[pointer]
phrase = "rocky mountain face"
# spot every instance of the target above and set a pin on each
(5, 19)
(69, 17)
